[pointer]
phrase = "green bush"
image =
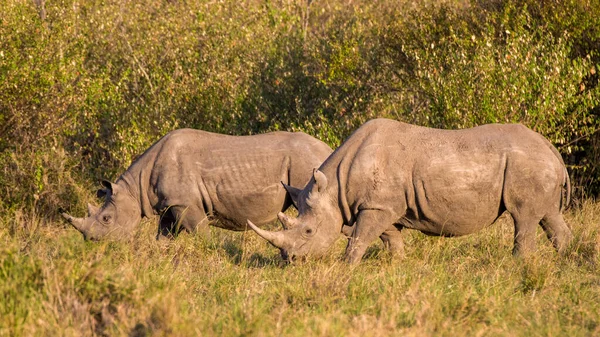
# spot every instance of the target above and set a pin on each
(512, 62)
(85, 87)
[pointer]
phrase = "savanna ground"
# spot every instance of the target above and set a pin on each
(85, 87)
(234, 284)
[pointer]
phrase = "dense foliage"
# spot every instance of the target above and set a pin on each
(87, 86)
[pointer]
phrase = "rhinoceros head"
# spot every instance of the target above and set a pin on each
(116, 219)
(317, 226)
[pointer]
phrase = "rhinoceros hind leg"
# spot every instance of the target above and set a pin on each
(392, 241)
(525, 228)
(557, 231)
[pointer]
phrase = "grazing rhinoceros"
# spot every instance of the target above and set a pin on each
(194, 177)
(389, 175)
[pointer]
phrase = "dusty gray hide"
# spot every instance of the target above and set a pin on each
(389, 175)
(194, 178)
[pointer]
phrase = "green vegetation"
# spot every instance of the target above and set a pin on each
(85, 86)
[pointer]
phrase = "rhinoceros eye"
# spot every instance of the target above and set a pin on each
(106, 218)
(308, 231)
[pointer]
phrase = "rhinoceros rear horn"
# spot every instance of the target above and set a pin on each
(277, 239)
(92, 210)
(285, 220)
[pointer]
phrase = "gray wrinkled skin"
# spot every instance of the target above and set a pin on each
(388, 176)
(195, 179)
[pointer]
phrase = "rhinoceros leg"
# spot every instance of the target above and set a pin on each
(370, 225)
(557, 231)
(392, 241)
(347, 230)
(166, 225)
(525, 228)
(179, 218)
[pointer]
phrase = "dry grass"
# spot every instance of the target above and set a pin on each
(233, 284)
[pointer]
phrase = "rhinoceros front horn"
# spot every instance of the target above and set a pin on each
(76, 222)
(277, 239)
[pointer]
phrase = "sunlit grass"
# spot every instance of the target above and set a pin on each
(234, 284)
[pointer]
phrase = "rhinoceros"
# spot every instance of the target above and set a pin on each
(195, 178)
(389, 175)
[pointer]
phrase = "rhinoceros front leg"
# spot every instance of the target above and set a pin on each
(179, 218)
(391, 238)
(370, 224)
(347, 231)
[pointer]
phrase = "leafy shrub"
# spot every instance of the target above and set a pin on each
(85, 87)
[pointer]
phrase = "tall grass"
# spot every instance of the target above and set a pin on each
(234, 284)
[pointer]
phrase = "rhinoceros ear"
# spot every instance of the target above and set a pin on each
(107, 184)
(102, 193)
(293, 192)
(320, 181)
(109, 188)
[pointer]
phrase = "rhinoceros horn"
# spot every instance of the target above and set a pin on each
(76, 222)
(286, 222)
(92, 209)
(277, 239)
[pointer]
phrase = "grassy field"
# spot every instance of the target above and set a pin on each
(234, 284)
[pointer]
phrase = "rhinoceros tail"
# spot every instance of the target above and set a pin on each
(565, 200)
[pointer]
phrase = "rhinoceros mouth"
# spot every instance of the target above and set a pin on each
(285, 256)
